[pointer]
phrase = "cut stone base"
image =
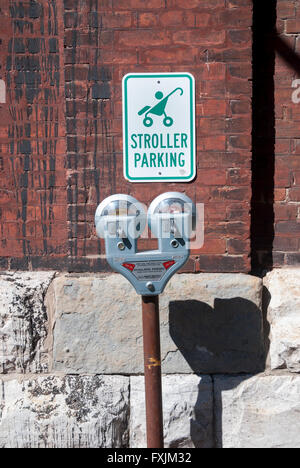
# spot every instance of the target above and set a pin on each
(23, 322)
(209, 324)
(187, 410)
(284, 317)
(257, 412)
(65, 412)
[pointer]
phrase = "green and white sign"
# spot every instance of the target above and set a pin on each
(159, 127)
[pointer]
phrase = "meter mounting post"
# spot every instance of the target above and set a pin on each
(152, 365)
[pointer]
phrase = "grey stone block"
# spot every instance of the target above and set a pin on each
(210, 323)
(23, 322)
(283, 315)
(257, 412)
(187, 411)
(65, 412)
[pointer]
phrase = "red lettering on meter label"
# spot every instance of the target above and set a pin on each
(168, 265)
(129, 266)
(151, 270)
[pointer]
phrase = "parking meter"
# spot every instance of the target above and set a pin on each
(121, 220)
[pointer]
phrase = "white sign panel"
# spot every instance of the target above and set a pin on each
(159, 127)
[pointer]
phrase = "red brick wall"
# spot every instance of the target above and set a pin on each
(61, 128)
(275, 226)
(286, 246)
(32, 133)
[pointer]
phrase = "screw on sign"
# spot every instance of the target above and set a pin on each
(121, 220)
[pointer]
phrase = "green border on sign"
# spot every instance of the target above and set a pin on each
(125, 126)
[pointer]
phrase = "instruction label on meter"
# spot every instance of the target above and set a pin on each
(149, 270)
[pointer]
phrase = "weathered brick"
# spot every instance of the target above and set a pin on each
(195, 4)
(211, 107)
(283, 146)
(286, 244)
(194, 37)
(198, 20)
(293, 26)
(213, 246)
(231, 193)
(235, 17)
(237, 176)
(213, 71)
(169, 55)
(140, 4)
(73, 5)
(238, 88)
(71, 19)
(238, 36)
(286, 9)
(147, 20)
(280, 194)
(237, 246)
(294, 194)
(143, 38)
(212, 177)
(242, 70)
(296, 175)
(283, 177)
(77, 73)
(212, 143)
(117, 20)
(240, 107)
(292, 259)
(239, 3)
(288, 227)
(239, 141)
(238, 125)
(223, 263)
(211, 126)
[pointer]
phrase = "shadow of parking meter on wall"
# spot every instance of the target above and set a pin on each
(121, 220)
(227, 340)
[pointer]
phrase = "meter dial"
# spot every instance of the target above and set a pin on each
(120, 209)
(168, 204)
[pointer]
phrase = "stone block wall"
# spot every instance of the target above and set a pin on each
(71, 361)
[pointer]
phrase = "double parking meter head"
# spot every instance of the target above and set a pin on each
(121, 220)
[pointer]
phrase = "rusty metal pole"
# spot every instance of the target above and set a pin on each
(153, 389)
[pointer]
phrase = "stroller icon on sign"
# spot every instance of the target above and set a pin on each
(159, 109)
